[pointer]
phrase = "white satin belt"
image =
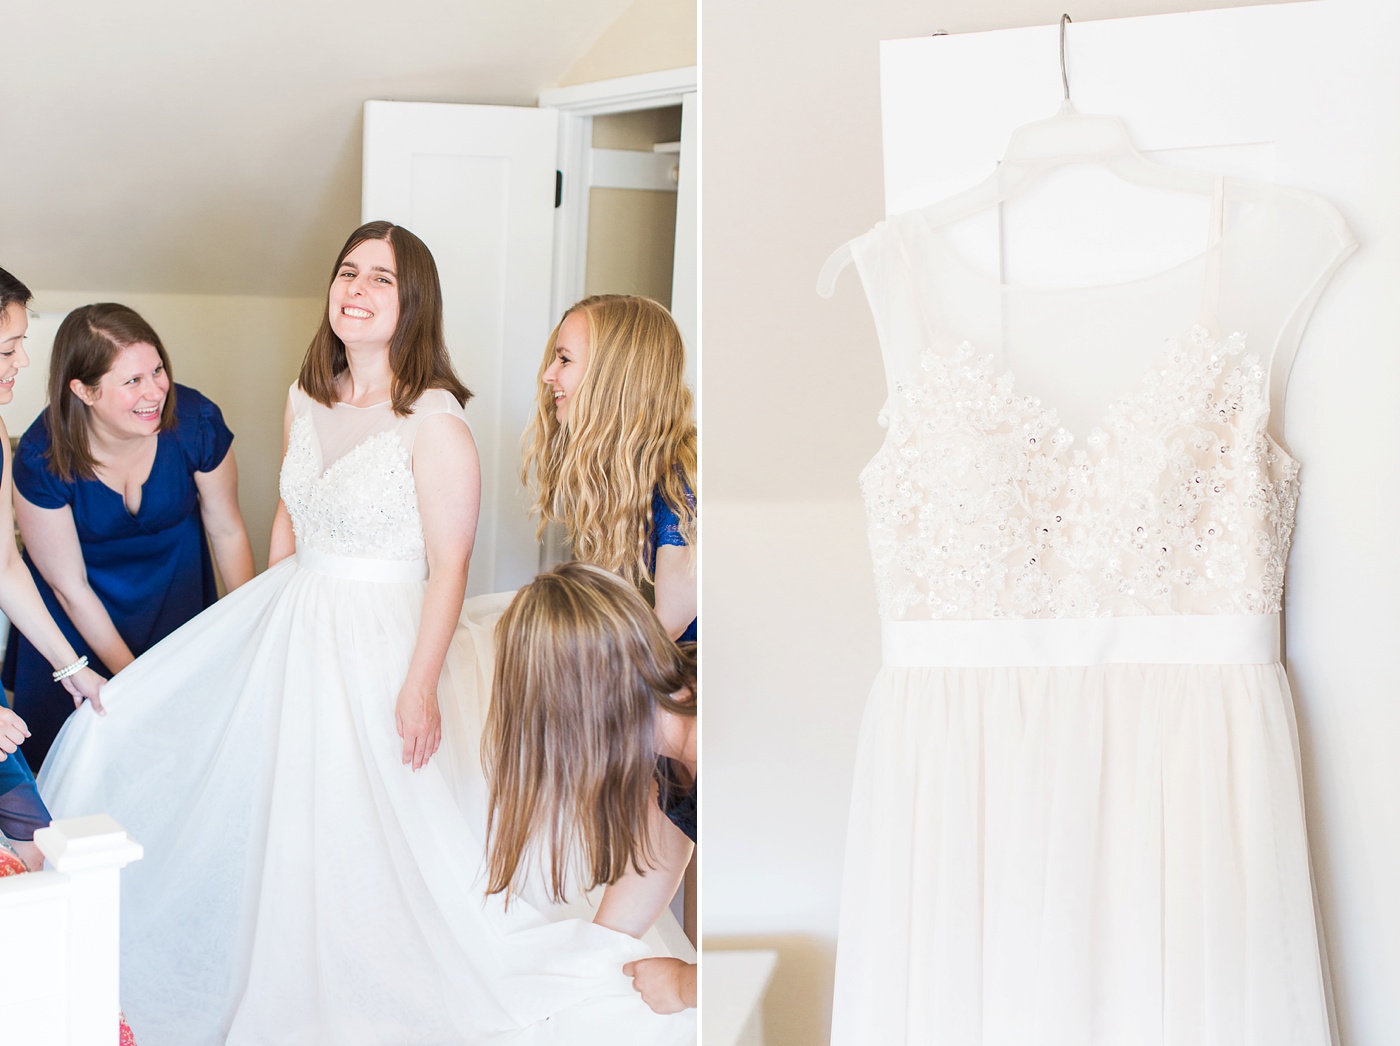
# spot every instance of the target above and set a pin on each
(1169, 639)
(353, 568)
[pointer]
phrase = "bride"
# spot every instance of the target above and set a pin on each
(313, 815)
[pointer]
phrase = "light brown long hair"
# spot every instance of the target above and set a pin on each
(85, 347)
(569, 749)
(418, 355)
(630, 431)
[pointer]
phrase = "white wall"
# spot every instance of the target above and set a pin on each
(651, 35)
(792, 387)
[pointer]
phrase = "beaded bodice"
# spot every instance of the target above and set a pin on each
(347, 478)
(981, 504)
(985, 501)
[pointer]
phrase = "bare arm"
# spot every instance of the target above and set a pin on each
(51, 537)
(23, 605)
(676, 589)
(284, 539)
(447, 474)
(228, 535)
(634, 903)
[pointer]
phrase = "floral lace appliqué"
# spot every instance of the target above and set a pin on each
(981, 505)
(364, 505)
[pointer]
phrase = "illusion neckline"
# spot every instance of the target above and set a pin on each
(1201, 259)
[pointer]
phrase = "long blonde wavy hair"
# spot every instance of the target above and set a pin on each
(569, 750)
(630, 431)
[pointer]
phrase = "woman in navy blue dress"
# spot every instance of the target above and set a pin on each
(611, 451)
(21, 809)
(116, 485)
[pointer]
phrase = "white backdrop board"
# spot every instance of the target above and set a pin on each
(1304, 94)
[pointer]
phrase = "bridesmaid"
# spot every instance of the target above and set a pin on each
(21, 809)
(116, 484)
(611, 451)
(590, 755)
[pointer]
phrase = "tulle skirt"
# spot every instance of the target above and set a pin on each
(1111, 855)
(300, 884)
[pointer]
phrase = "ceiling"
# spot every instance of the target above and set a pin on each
(178, 147)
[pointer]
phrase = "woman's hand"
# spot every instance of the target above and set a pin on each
(12, 732)
(420, 723)
(666, 985)
(86, 684)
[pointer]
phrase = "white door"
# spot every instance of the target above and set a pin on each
(1306, 94)
(476, 183)
(685, 272)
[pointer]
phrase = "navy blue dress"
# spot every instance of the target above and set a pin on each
(666, 530)
(152, 571)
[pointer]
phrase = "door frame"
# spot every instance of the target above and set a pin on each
(577, 106)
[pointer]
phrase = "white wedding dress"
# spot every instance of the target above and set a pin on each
(1077, 816)
(300, 885)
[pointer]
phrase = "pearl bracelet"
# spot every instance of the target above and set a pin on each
(73, 669)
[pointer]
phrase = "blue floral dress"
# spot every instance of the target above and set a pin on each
(666, 530)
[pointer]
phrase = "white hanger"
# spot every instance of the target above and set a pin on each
(1065, 138)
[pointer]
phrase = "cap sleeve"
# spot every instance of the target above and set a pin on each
(200, 427)
(429, 405)
(666, 523)
(33, 479)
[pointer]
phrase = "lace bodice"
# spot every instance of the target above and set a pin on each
(982, 505)
(347, 478)
(984, 502)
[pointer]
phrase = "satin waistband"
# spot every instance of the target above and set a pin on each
(353, 568)
(1169, 639)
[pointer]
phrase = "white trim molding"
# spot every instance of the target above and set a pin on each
(623, 94)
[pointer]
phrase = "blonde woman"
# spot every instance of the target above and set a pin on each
(611, 450)
(590, 754)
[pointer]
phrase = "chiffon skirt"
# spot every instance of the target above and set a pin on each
(1111, 855)
(300, 885)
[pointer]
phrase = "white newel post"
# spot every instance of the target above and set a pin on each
(91, 852)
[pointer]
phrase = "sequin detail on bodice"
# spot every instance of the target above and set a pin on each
(365, 504)
(982, 505)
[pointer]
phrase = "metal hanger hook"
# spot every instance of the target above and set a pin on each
(1064, 74)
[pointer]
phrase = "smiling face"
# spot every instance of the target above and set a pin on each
(364, 297)
(127, 401)
(566, 373)
(13, 325)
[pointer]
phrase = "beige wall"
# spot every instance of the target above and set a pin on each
(791, 388)
(632, 232)
(648, 37)
(241, 352)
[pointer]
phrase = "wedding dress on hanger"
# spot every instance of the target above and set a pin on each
(1077, 815)
(300, 884)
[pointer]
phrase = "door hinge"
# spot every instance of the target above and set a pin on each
(558, 188)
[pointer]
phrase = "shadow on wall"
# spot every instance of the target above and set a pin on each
(797, 1011)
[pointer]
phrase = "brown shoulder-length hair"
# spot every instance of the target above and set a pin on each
(630, 432)
(84, 349)
(582, 665)
(418, 350)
